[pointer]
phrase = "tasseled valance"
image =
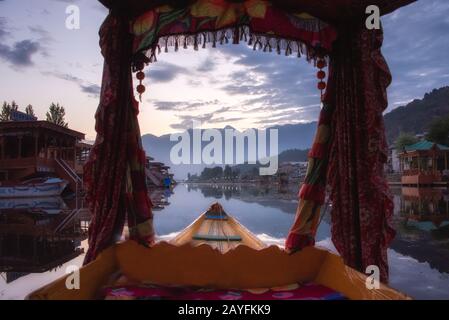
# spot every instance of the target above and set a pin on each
(257, 22)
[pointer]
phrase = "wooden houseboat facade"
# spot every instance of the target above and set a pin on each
(41, 148)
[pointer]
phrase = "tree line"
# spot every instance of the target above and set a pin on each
(438, 133)
(55, 113)
(215, 173)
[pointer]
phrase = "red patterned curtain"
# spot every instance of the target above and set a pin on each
(114, 174)
(362, 206)
(355, 149)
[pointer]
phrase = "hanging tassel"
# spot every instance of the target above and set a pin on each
(288, 50)
(140, 75)
(236, 36)
(321, 75)
(195, 43)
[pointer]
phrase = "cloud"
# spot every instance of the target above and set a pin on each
(210, 117)
(182, 105)
(186, 121)
(20, 54)
(208, 65)
(416, 46)
(270, 82)
(3, 28)
(92, 90)
(164, 72)
(44, 35)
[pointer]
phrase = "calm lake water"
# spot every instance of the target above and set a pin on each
(419, 256)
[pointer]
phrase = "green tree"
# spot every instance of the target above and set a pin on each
(405, 139)
(227, 173)
(56, 114)
(7, 108)
(439, 131)
(30, 111)
(211, 173)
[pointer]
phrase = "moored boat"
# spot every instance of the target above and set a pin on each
(47, 187)
(219, 254)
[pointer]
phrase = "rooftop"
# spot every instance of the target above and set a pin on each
(425, 145)
(41, 124)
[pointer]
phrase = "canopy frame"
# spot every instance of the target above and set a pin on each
(347, 155)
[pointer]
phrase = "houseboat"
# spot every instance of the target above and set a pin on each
(158, 174)
(424, 164)
(41, 149)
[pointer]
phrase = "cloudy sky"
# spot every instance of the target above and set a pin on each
(41, 61)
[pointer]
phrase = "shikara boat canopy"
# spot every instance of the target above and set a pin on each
(349, 149)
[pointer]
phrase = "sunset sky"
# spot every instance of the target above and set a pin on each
(41, 61)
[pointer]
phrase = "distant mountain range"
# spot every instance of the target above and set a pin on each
(415, 117)
(292, 136)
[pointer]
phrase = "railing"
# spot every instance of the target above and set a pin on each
(414, 172)
(71, 174)
(67, 219)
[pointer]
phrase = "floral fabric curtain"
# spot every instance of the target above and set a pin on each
(114, 174)
(351, 139)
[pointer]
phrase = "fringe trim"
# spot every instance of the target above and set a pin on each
(238, 34)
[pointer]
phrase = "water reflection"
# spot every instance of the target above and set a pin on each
(36, 246)
(51, 205)
(38, 235)
(159, 197)
(422, 225)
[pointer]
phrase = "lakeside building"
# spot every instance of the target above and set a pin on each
(34, 148)
(158, 174)
(424, 163)
(289, 172)
(392, 165)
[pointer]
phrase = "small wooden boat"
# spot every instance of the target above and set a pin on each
(218, 230)
(47, 187)
(218, 253)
